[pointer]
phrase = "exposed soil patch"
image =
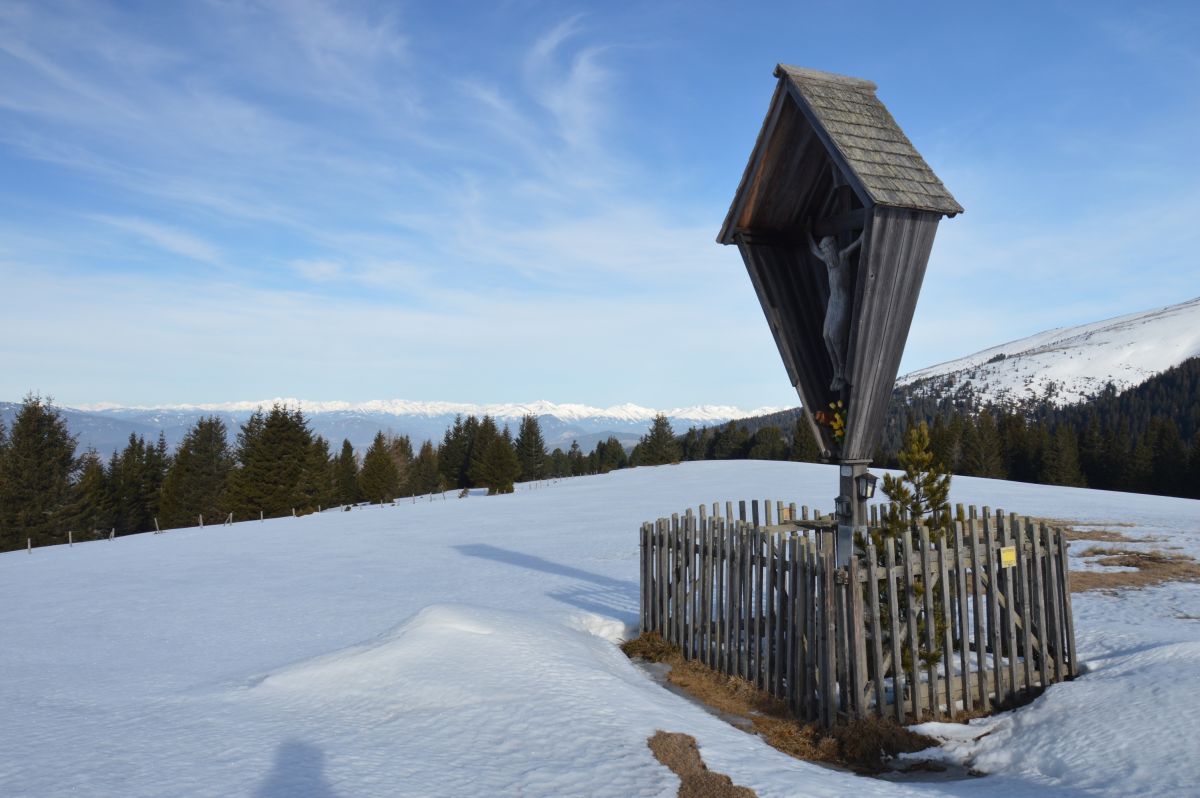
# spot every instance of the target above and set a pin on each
(864, 746)
(1101, 536)
(1153, 568)
(679, 753)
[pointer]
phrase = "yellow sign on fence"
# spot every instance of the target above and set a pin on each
(1008, 556)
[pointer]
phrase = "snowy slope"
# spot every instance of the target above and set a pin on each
(465, 648)
(1072, 363)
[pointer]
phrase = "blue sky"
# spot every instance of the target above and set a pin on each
(209, 201)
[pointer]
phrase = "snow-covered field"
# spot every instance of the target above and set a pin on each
(467, 647)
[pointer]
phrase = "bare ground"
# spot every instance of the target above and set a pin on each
(864, 746)
(679, 753)
(1154, 567)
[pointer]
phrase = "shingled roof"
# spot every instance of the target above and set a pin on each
(873, 146)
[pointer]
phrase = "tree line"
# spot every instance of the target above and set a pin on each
(1145, 439)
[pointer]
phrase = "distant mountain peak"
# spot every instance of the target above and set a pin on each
(1070, 364)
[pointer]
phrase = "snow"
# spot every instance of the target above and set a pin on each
(1078, 361)
(630, 413)
(467, 647)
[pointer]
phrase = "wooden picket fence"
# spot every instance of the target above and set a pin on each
(932, 626)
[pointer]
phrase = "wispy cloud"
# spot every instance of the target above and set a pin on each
(171, 239)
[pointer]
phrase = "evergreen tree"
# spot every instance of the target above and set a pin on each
(694, 444)
(272, 452)
(946, 441)
(91, 507)
(379, 480)
(804, 446)
(923, 492)
(1060, 460)
(400, 448)
(658, 446)
(35, 477)
(576, 464)
(531, 450)
(424, 475)
(558, 465)
(196, 483)
(1193, 479)
(730, 442)
(767, 444)
(1169, 458)
(610, 455)
(498, 467)
(481, 441)
(318, 479)
(981, 453)
(452, 454)
(346, 477)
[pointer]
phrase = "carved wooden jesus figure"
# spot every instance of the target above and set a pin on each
(837, 312)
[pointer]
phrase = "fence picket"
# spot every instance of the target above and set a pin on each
(1068, 617)
(993, 606)
(1052, 598)
(978, 612)
(962, 618)
(898, 676)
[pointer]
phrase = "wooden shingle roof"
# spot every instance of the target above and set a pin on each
(872, 145)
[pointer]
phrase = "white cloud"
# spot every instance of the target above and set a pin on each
(171, 239)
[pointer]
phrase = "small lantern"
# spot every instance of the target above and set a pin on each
(866, 486)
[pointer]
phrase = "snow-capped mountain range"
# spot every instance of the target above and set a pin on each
(1071, 364)
(1066, 365)
(106, 427)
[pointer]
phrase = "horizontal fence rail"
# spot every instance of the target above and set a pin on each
(928, 624)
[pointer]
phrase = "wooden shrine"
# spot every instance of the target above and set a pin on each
(835, 218)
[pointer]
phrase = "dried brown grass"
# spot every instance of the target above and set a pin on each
(1153, 568)
(679, 753)
(863, 745)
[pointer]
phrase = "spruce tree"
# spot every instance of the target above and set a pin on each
(767, 444)
(91, 507)
(379, 480)
(316, 486)
(531, 450)
(498, 467)
(1060, 460)
(558, 465)
(35, 476)
(730, 442)
(346, 476)
(481, 440)
(272, 452)
(452, 454)
(400, 448)
(658, 446)
(196, 483)
(804, 448)
(610, 455)
(981, 454)
(424, 476)
(1168, 471)
(576, 463)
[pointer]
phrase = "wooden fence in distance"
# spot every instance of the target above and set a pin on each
(933, 626)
